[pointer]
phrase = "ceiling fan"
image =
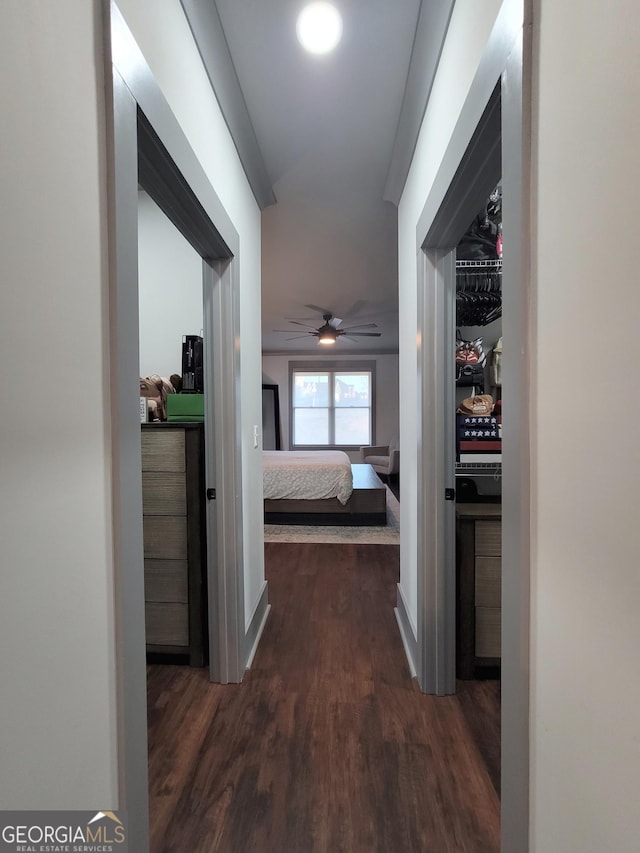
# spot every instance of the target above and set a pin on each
(329, 332)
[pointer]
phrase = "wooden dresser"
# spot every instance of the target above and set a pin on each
(479, 581)
(175, 561)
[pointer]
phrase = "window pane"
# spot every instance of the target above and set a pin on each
(311, 390)
(352, 389)
(311, 426)
(352, 426)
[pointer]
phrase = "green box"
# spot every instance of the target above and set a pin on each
(185, 407)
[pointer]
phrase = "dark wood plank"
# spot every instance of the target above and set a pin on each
(328, 745)
(480, 703)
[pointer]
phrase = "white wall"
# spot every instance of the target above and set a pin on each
(169, 290)
(275, 370)
(470, 25)
(585, 688)
(163, 35)
(57, 731)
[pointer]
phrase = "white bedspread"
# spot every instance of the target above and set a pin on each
(307, 475)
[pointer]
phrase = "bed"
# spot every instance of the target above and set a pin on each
(321, 488)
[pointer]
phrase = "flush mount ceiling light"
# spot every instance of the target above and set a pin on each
(319, 27)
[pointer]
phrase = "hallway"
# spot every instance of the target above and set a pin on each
(328, 745)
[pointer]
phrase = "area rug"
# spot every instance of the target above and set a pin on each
(387, 535)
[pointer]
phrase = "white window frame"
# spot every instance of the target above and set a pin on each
(331, 367)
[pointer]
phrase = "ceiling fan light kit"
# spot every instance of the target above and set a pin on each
(327, 334)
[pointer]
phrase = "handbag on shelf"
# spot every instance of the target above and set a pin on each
(470, 361)
(480, 404)
(470, 352)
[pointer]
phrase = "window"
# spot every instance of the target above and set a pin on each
(331, 406)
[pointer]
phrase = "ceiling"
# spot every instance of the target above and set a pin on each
(326, 133)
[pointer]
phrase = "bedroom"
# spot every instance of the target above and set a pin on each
(171, 306)
(170, 294)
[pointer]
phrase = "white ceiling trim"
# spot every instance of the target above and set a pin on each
(431, 30)
(211, 41)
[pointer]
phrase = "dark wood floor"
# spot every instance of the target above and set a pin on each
(328, 745)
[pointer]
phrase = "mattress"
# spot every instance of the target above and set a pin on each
(307, 475)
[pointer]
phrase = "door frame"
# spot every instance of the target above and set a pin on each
(227, 653)
(435, 659)
(146, 144)
(491, 141)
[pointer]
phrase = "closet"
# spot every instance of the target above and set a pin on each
(479, 442)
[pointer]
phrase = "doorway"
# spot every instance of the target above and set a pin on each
(178, 553)
(489, 143)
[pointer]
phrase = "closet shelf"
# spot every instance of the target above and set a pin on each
(489, 263)
(479, 469)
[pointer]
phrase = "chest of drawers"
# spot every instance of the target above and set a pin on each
(174, 540)
(479, 580)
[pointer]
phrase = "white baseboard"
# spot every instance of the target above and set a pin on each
(407, 633)
(256, 626)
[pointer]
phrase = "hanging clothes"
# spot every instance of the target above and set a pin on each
(478, 292)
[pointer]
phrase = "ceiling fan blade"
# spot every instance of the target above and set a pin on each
(298, 319)
(334, 322)
(362, 326)
(296, 338)
(298, 323)
(291, 331)
(366, 334)
(357, 308)
(322, 311)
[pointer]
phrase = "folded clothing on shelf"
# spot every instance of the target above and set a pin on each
(480, 446)
(486, 433)
(477, 420)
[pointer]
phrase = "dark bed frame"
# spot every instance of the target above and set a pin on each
(367, 506)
